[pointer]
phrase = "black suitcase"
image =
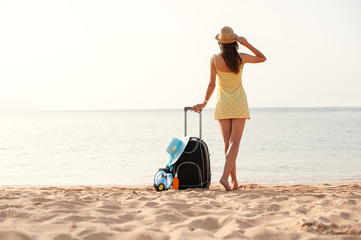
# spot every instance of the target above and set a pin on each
(193, 168)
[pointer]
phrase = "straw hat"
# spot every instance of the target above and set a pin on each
(226, 36)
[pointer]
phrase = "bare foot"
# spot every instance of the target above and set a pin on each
(225, 184)
(235, 185)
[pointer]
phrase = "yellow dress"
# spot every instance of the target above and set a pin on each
(231, 97)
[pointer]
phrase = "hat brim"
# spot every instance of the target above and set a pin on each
(235, 37)
(179, 152)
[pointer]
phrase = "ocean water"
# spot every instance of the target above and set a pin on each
(279, 145)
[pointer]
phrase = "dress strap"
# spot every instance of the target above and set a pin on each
(215, 63)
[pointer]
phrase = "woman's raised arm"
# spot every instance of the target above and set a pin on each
(246, 58)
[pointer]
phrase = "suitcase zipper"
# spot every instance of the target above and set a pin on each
(199, 171)
(208, 162)
(193, 149)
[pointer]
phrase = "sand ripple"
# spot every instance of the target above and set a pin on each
(251, 212)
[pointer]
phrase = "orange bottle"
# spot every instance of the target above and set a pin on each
(175, 182)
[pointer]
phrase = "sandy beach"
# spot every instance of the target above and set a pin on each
(322, 211)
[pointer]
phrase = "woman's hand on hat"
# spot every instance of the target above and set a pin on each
(242, 40)
(198, 107)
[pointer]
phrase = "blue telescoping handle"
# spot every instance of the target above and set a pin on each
(185, 121)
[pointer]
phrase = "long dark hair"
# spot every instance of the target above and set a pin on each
(231, 56)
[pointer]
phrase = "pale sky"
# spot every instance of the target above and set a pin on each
(92, 55)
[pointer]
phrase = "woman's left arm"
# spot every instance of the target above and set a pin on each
(246, 58)
(210, 89)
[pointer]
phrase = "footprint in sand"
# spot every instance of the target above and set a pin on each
(127, 217)
(110, 207)
(274, 208)
(62, 204)
(109, 220)
(61, 211)
(63, 236)
(194, 213)
(42, 217)
(41, 200)
(345, 215)
(97, 236)
(168, 217)
(4, 206)
(302, 210)
(351, 202)
(251, 195)
(151, 204)
(323, 219)
(261, 232)
(16, 235)
(281, 199)
(209, 223)
(86, 232)
(178, 206)
(215, 204)
(77, 218)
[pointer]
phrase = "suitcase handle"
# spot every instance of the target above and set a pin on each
(185, 121)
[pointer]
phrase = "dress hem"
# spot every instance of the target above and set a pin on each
(232, 118)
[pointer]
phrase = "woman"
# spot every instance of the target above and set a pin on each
(231, 108)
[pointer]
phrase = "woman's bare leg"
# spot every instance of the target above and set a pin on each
(226, 129)
(236, 126)
(236, 136)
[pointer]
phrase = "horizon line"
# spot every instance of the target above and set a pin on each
(167, 109)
